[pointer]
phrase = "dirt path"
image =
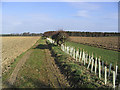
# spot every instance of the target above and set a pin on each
(18, 67)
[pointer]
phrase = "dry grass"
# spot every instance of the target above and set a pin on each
(14, 46)
(103, 42)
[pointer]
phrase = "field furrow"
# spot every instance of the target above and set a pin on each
(13, 47)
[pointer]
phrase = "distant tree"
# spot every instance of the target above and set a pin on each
(60, 37)
(26, 33)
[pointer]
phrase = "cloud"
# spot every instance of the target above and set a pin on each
(82, 13)
(86, 5)
(84, 9)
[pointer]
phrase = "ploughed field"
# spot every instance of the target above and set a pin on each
(14, 46)
(102, 42)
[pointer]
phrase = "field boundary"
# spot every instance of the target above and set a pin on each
(12, 66)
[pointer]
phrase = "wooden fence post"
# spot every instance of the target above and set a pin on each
(110, 70)
(105, 75)
(95, 65)
(102, 67)
(113, 79)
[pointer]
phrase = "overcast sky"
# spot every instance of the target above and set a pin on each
(38, 17)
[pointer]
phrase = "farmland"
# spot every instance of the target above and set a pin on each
(14, 46)
(36, 71)
(102, 42)
(45, 65)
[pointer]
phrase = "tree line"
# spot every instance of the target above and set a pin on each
(23, 34)
(84, 34)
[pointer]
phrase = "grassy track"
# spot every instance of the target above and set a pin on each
(29, 74)
(108, 56)
(6, 75)
(40, 70)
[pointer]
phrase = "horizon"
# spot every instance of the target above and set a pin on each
(57, 30)
(39, 17)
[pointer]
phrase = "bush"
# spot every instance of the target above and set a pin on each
(60, 37)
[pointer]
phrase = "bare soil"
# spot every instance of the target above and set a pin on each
(110, 43)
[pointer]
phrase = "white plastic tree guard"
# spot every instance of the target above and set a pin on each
(89, 62)
(113, 79)
(116, 70)
(92, 65)
(99, 69)
(105, 75)
(77, 54)
(96, 66)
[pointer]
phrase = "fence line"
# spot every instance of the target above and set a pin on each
(85, 58)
